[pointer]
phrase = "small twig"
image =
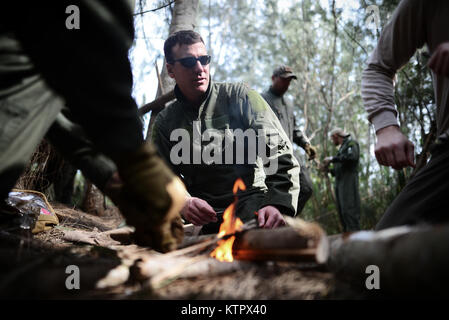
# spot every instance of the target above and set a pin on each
(152, 10)
(214, 239)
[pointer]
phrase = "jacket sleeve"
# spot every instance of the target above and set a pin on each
(71, 141)
(299, 137)
(88, 67)
(350, 154)
(281, 167)
(401, 37)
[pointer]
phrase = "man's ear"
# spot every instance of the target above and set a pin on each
(170, 71)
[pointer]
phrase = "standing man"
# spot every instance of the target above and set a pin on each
(414, 24)
(217, 112)
(281, 79)
(45, 65)
(345, 170)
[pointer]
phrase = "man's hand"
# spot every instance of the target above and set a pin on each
(310, 150)
(393, 149)
(327, 160)
(198, 212)
(439, 62)
(151, 198)
(269, 217)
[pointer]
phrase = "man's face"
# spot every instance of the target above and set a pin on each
(193, 82)
(280, 85)
(335, 139)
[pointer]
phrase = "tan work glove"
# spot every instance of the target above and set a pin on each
(310, 150)
(151, 199)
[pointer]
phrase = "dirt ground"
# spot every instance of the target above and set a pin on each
(36, 267)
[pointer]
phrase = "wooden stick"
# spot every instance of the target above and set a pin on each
(301, 241)
(158, 103)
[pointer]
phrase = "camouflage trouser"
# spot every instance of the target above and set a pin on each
(27, 111)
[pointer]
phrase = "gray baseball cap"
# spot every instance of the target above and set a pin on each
(284, 72)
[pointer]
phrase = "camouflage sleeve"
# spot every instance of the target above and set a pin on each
(88, 67)
(71, 141)
(281, 167)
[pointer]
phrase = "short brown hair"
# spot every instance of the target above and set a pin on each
(180, 37)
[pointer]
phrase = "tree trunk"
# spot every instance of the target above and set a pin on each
(183, 18)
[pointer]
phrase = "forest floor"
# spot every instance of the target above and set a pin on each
(36, 267)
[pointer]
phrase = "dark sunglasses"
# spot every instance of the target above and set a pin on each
(190, 62)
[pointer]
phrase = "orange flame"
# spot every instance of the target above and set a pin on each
(230, 225)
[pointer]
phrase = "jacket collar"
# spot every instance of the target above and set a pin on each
(182, 99)
(274, 93)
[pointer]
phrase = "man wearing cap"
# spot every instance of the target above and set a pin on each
(345, 170)
(281, 78)
(205, 110)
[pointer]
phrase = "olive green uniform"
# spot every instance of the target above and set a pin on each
(44, 66)
(345, 170)
(284, 111)
(226, 108)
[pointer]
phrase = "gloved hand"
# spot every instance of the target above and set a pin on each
(310, 150)
(151, 198)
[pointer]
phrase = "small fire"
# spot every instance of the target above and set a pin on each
(230, 225)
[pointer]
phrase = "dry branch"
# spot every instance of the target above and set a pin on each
(159, 103)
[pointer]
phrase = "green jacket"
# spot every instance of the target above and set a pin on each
(284, 111)
(227, 108)
(347, 159)
(345, 169)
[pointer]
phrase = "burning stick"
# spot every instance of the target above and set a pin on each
(301, 241)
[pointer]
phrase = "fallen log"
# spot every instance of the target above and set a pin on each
(300, 241)
(409, 261)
